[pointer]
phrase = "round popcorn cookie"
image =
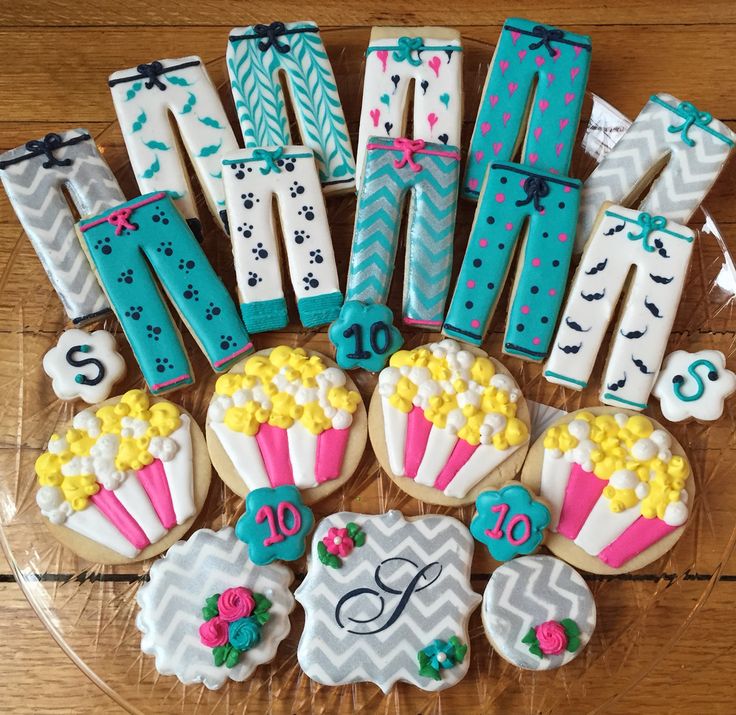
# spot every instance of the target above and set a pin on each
(208, 614)
(619, 487)
(446, 422)
(126, 480)
(286, 416)
(387, 599)
(538, 612)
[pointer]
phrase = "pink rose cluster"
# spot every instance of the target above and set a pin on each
(233, 604)
(552, 637)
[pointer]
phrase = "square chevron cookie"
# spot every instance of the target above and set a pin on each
(209, 614)
(387, 599)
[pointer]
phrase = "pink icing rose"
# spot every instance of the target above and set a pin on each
(552, 637)
(213, 632)
(235, 603)
(338, 542)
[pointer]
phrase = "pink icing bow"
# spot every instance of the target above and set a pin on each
(119, 219)
(408, 147)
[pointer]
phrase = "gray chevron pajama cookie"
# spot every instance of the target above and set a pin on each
(33, 176)
(386, 600)
(691, 145)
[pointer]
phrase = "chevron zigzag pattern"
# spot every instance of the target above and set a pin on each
(528, 591)
(171, 606)
(332, 655)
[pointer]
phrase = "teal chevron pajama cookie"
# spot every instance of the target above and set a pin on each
(534, 91)
(694, 145)
(429, 173)
(147, 98)
(147, 236)
(515, 195)
(256, 57)
(33, 176)
(427, 61)
(253, 179)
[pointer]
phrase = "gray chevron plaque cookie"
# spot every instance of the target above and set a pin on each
(206, 603)
(538, 612)
(387, 599)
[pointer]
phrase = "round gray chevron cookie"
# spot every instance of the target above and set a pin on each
(387, 599)
(538, 612)
(171, 604)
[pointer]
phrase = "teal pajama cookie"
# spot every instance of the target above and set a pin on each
(536, 67)
(257, 56)
(127, 246)
(515, 194)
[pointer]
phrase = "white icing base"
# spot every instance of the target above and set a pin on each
(481, 463)
(303, 455)
(439, 448)
(93, 524)
(244, 454)
(604, 526)
(394, 427)
(180, 472)
(133, 497)
(555, 475)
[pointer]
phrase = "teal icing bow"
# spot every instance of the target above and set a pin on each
(407, 45)
(269, 159)
(689, 112)
(647, 223)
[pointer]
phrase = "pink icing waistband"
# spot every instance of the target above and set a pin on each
(120, 216)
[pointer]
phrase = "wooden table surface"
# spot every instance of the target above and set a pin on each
(56, 58)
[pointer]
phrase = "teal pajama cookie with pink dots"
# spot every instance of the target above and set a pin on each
(130, 243)
(534, 91)
(515, 196)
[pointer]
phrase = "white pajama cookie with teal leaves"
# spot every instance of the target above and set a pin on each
(387, 600)
(253, 179)
(34, 176)
(431, 60)
(147, 99)
(258, 57)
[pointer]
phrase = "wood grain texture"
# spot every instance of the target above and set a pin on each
(669, 626)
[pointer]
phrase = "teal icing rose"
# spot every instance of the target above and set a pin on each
(244, 634)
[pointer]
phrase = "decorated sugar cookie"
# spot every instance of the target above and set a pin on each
(510, 521)
(84, 365)
(538, 612)
(447, 422)
(619, 487)
(208, 614)
(392, 605)
(126, 479)
(694, 385)
(286, 417)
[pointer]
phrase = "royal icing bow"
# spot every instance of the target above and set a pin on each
(536, 188)
(152, 71)
(647, 223)
(271, 33)
(546, 35)
(269, 159)
(408, 147)
(689, 112)
(119, 219)
(407, 45)
(46, 146)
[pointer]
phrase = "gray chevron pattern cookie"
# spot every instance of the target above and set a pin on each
(406, 586)
(535, 591)
(683, 184)
(171, 606)
(36, 194)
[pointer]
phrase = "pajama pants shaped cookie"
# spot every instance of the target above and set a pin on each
(395, 167)
(146, 100)
(513, 194)
(431, 58)
(33, 176)
(257, 56)
(534, 90)
(253, 177)
(125, 244)
(688, 146)
(659, 251)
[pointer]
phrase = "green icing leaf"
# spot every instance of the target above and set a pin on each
(209, 150)
(359, 538)
(536, 650)
(423, 658)
(571, 628)
(262, 603)
(573, 644)
(233, 657)
(153, 144)
(530, 637)
(152, 170)
(326, 557)
(179, 81)
(208, 613)
(460, 649)
(353, 529)
(262, 617)
(429, 672)
(220, 654)
(210, 122)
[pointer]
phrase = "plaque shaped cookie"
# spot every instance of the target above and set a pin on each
(387, 599)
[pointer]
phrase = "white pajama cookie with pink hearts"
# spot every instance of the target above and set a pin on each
(431, 57)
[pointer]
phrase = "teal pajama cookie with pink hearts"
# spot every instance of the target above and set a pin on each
(534, 92)
(514, 196)
(144, 237)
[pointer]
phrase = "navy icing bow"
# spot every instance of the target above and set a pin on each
(690, 113)
(47, 146)
(546, 35)
(271, 33)
(536, 188)
(152, 71)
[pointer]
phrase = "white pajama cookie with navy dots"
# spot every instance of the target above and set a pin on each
(253, 177)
